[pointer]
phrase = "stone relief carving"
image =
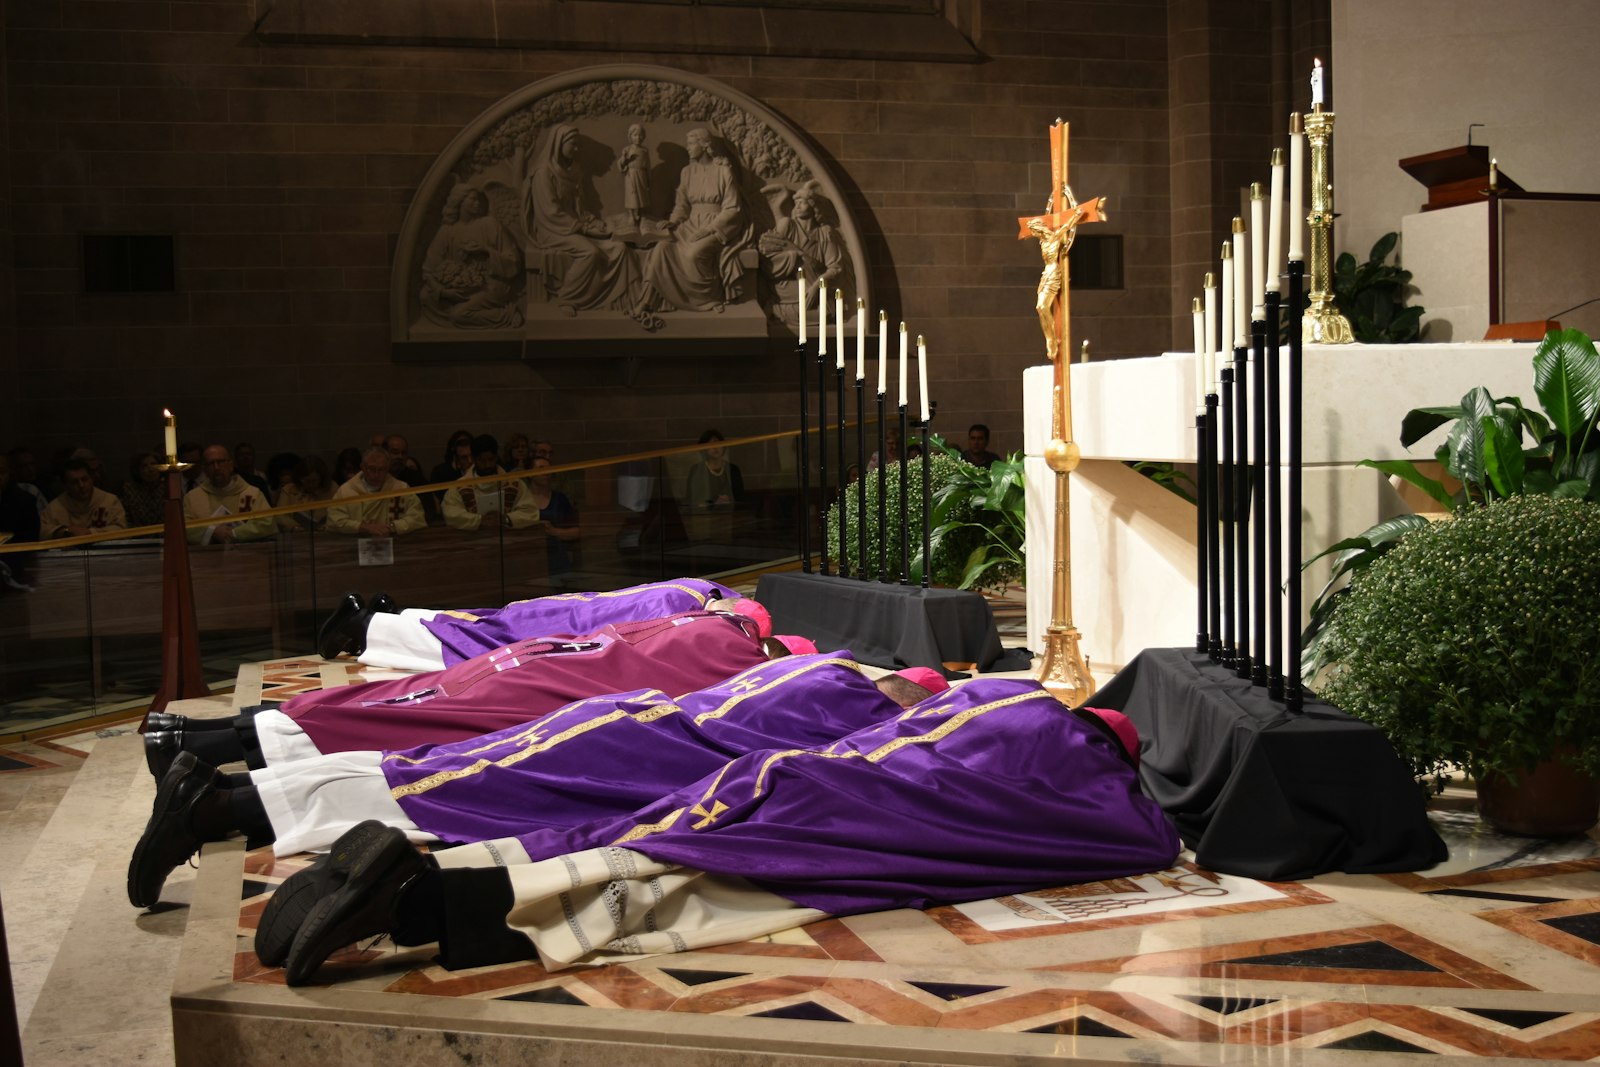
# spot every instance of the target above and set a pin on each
(642, 204)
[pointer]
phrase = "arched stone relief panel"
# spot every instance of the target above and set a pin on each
(629, 204)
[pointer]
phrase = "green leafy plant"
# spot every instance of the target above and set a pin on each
(1472, 642)
(992, 503)
(1372, 295)
(1167, 475)
(968, 529)
(1485, 451)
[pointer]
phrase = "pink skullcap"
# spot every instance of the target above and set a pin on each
(797, 645)
(927, 677)
(1123, 727)
(753, 608)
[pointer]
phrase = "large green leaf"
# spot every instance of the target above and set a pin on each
(1566, 375)
(1502, 454)
(1420, 422)
(1406, 470)
(1465, 444)
(1382, 247)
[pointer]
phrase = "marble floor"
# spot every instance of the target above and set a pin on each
(1493, 955)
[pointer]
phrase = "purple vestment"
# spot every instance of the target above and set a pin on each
(991, 788)
(607, 756)
(513, 685)
(464, 634)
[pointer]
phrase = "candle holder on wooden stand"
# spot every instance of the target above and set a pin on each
(181, 677)
(1322, 323)
(1241, 501)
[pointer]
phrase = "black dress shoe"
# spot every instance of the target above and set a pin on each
(292, 901)
(169, 837)
(365, 905)
(157, 721)
(385, 604)
(346, 629)
(161, 747)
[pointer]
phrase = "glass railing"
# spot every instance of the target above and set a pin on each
(81, 618)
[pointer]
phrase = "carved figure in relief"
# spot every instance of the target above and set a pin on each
(804, 240)
(473, 264)
(586, 268)
(634, 162)
(698, 268)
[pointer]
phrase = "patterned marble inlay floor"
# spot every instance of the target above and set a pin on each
(1494, 953)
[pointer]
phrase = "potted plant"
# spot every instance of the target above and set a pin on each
(1486, 453)
(1473, 642)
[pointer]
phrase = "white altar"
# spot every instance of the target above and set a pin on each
(1133, 542)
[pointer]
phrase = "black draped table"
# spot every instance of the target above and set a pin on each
(885, 625)
(1259, 791)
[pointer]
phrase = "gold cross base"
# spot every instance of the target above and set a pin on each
(1065, 673)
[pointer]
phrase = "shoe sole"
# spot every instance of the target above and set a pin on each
(347, 915)
(165, 796)
(292, 901)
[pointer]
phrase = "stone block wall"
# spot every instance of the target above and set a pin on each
(284, 168)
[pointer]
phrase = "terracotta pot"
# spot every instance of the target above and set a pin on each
(1552, 800)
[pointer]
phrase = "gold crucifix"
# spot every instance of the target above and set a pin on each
(1063, 671)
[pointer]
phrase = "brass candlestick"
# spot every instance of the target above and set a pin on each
(1323, 324)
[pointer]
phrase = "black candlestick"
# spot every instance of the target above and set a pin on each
(1293, 385)
(1241, 501)
(822, 448)
(883, 488)
(1258, 468)
(905, 529)
(1212, 536)
(1224, 434)
(1202, 641)
(861, 479)
(1274, 490)
(805, 462)
(844, 477)
(927, 501)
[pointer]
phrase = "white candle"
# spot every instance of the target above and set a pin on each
(1494, 174)
(838, 325)
(861, 341)
(922, 376)
(1258, 254)
(1225, 312)
(1197, 312)
(170, 434)
(802, 302)
(1241, 287)
(904, 400)
(883, 352)
(1275, 224)
(822, 320)
(1316, 83)
(1210, 367)
(1297, 184)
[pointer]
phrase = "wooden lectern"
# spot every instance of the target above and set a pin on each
(1457, 175)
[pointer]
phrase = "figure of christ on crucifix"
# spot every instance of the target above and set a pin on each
(1056, 230)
